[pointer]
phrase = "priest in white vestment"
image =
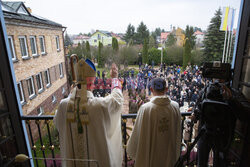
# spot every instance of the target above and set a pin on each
(156, 137)
(104, 130)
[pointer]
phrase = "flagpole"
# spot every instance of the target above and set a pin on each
(224, 46)
(227, 46)
(230, 49)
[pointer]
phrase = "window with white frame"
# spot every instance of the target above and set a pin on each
(53, 99)
(31, 89)
(20, 90)
(12, 49)
(40, 111)
(63, 90)
(39, 82)
(47, 77)
(23, 46)
(61, 69)
(57, 43)
(42, 44)
(33, 45)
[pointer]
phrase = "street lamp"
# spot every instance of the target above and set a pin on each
(163, 45)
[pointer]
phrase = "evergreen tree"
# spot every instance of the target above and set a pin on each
(130, 33)
(214, 39)
(115, 45)
(100, 56)
(88, 53)
(142, 33)
(188, 46)
(145, 51)
(158, 31)
(151, 42)
(171, 40)
(67, 40)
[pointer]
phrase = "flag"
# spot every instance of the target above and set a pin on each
(232, 23)
(223, 26)
(230, 20)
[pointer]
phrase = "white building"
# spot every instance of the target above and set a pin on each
(199, 38)
(80, 39)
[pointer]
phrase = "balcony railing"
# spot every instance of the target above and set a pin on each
(45, 143)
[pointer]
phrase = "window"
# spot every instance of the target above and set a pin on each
(42, 45)
(63, 90)
(12, 49)
(53, 99)
(39, 82)
(47, 77)
(22, 10)
(57, 43)
(95, 40)
(33, 45)
(20, 90)
(40, 111)
(61, 69)
(98, 36)
(23, 46)
(31, 89)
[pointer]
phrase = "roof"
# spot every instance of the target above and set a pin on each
(164, 35)
(11, 11)
(13, 5)
(82, 37)
(198, 33)
(103, 32)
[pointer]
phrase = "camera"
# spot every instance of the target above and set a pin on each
(215, 115)
(217, 70)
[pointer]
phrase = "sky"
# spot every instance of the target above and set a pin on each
(114, 15)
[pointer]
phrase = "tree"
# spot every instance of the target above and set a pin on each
(174, 55)
(171, 40)
(130, 33)
(88, 54)
(158, 31)
(115, 45)
(151, 42)
(154, 55)
(142, 33)
(145, 51)
(214, 39)
(100, 59)
(188, 45)
(67, 40)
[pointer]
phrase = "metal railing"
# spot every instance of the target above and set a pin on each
(39, 127)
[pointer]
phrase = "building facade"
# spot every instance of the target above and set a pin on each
(80, 39)
(199, 38)
(104, 37)
(37, 49)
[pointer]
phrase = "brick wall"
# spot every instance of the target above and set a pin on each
(48, 108)
(25, 68)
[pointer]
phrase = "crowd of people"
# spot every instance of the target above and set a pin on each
(183, 85)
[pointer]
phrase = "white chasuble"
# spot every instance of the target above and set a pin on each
(103, 132)
(156, 137)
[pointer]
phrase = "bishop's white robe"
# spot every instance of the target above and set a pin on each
(104, 131)
(156, 138)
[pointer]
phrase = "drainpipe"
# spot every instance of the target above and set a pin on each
(65, 61)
